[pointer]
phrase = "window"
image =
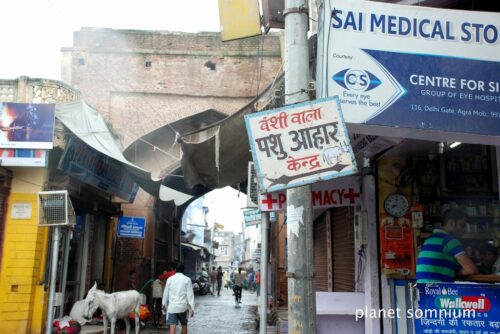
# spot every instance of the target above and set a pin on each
(147, 64)
(223, 250)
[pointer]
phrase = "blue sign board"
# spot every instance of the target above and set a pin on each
(131, 227)
(79, 226)
(412, 67)
(457, 308)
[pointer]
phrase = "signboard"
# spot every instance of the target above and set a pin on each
(411, 66)
(397, 253)
(252, 217)
(343, 191)
(23, 157)
(26, 125)
(131, 227)
(97, 169)
(457, 308)
(79, 227)
(299, 144)
(239, 19)
(21, 211)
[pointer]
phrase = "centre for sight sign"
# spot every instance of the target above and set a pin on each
(300, 144)
(411, 67)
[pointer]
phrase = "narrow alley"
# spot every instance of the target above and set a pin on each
(218, 315)
(213, 315)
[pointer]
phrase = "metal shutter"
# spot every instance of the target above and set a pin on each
(343, 249)
(320, 254)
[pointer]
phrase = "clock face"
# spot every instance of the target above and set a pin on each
(396, 205)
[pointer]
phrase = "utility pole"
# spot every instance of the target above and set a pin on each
(264, 246)
(301, 287)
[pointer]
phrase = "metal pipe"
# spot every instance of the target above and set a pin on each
(65, 270)
(264, 227)
(301, 289)
(56, 236)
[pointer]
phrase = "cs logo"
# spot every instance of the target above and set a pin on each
(357, 80)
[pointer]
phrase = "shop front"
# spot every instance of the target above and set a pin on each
(418, 181)
(434, 90)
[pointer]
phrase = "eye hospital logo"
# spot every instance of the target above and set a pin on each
(356, 80)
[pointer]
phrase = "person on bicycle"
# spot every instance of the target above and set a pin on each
(251, 281)
(238, 284)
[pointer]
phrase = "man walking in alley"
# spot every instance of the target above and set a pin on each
(220, 276)
(238, 285)
(178, 300)
(213, 280)
(442, 254)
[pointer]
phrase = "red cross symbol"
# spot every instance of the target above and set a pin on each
(269, 201)
(351, 195)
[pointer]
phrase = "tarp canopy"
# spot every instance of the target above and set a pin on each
(181, 160)
(218, 155)
(89, 126)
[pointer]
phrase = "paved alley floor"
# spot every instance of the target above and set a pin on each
(218, 315)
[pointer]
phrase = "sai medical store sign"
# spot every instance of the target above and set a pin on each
(412, 67)
(299, 144)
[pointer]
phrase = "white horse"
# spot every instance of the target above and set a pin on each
(114, 306)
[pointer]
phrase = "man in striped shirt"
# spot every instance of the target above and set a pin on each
(442, 255)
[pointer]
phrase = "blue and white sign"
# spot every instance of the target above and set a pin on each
(131, 227)
(252, 217)
(412, 67)
(456, 308)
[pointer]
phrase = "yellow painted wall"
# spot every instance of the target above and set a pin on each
(22, 296)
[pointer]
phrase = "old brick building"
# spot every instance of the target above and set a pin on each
(142, 80)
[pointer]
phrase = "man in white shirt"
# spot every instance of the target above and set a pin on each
(178, 300)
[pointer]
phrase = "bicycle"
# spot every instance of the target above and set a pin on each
(252, 287)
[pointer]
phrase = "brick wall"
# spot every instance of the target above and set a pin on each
(187, 73)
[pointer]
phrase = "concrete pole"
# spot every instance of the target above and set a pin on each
(301, 288)
(264, 255)
(56, 237)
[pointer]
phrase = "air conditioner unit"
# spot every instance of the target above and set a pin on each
(55, 209)
(252, 187)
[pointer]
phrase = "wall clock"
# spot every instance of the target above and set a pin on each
(396, 205)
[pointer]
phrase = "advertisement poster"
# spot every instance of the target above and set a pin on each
(411, 66)
(396, 246)
(466, 308)
(299, 144)
(99, 170)
(26, 125)
(23, 157)
(131, 227)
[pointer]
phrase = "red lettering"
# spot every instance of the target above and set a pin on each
(341, 195)
(326, 198)
(281, 199)
(316, 198)
(332, 197)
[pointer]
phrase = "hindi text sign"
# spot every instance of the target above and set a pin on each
(131, 227)
(300, 144)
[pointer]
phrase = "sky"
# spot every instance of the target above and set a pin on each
(34, 31)
(224, 207)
